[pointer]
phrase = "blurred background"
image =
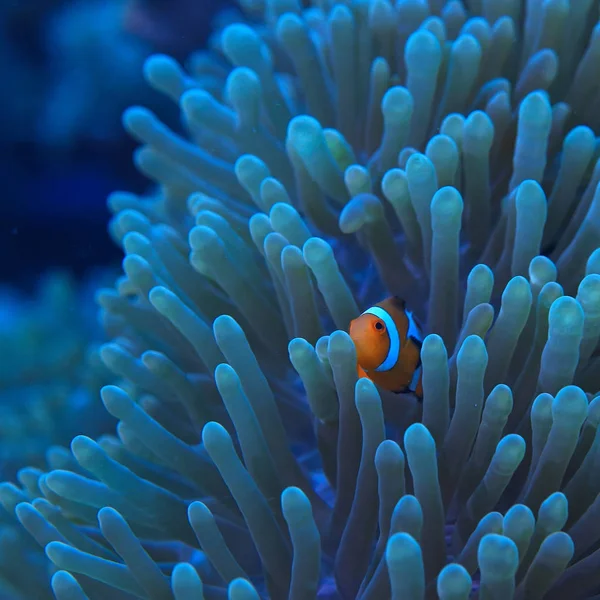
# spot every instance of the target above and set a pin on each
(68, 68)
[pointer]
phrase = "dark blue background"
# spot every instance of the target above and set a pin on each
(52, 205)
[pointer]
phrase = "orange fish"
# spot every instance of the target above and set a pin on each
(388, 342)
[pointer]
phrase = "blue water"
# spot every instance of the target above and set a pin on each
(62, 146)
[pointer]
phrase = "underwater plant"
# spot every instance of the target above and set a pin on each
(337, 154)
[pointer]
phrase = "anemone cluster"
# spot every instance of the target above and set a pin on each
(331, 155)
(50, 371)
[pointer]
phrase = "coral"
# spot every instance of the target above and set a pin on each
(249, 461)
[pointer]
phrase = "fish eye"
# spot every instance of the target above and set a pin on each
(379, 326)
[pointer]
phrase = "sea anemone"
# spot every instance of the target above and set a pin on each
(50, 370)
(50, 375)
(249, 460)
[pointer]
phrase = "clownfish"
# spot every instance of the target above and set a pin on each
(388, 342)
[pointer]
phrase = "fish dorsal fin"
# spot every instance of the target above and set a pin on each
(398, 302)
